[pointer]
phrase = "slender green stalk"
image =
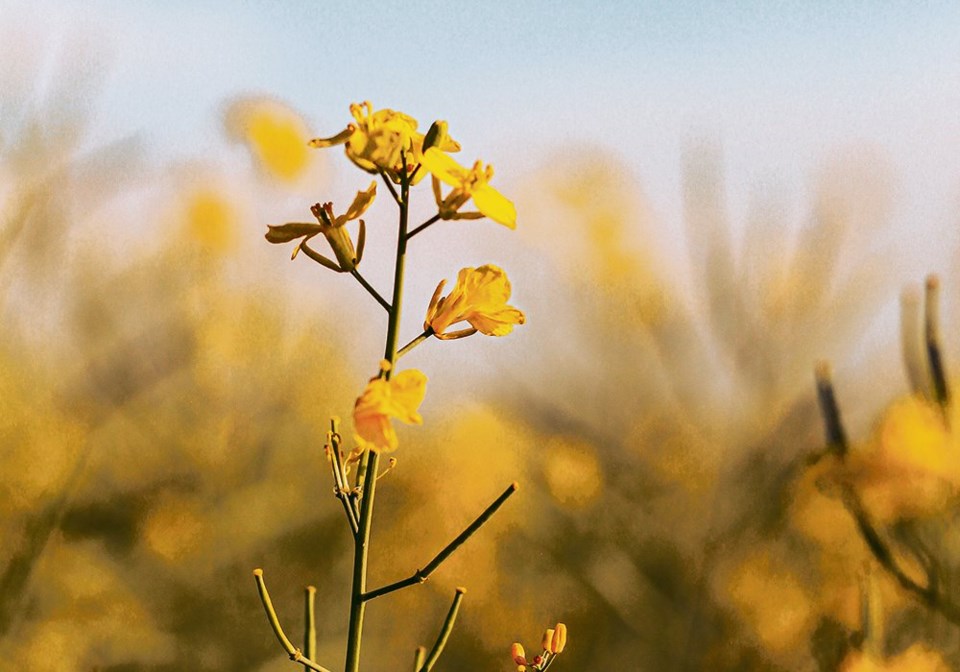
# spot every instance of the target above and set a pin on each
(428, 332)
(362, 540)
(310, 622)
(429, 222)
(367, 286)
(295, 654)
(830, 411)
(418, 657)
(932, 333)
(422, 575)
(444, 632)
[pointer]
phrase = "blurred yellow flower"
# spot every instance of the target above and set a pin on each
(911, 468)
(274, 133)
(211, 219)
(479, 298)
(467, 183)
(377, 140)
(915, 659)
(399, 398)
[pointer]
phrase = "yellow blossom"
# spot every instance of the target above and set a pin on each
(479, 298)
(467, 183)
(912, 466)
(399, 398)
(332, 227)
(377, 140)
(274, 134)
(917, 658)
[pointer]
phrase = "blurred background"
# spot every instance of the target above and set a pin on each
(711, 197)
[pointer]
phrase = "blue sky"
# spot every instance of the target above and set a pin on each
(779, 87)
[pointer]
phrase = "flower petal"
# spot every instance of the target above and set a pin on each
(444, 167)
(494, 205)
(407, 390)
(284, 233)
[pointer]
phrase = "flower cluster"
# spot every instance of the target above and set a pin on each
(554, 641)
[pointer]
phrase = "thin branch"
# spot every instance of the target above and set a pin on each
(310, 621)
(830, 411)
(444, 632)
(367, 286)
(418, 658)
(427, 333)
(422, 575)
(295, 654)
(432, 220)
(339, 486)
(932, 332)
(393, 190)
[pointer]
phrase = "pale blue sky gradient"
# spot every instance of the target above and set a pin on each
(780, 87)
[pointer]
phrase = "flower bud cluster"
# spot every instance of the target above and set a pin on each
(553, 643)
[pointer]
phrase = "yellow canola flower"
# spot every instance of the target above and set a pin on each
(332, 227)
(912, 466)
(479, 298)
(274, 134)
(399, 398)
(377, 140)
(917, 658)
(467, 183)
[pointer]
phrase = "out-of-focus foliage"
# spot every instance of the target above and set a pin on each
(163, 402)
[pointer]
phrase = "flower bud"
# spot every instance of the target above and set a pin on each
(559, 639)
(518, 654)
(547, 640)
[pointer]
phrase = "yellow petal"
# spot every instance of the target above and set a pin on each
(445, 168)
(407, 390)
(361, 202)
(499, 323)
(494, 205)
(337, 139)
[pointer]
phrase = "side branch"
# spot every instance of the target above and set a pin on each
(393, 189)
(432, 220)
(367, 286)
(444, 632)
(295, 654)
(422, 575)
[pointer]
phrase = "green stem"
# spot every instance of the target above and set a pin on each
(427, 333)
(421, 575)
(418, 657)
(295, 654)
(432, 220)
(373, 292)
(362, 540)
(444, 632)
(310, 622)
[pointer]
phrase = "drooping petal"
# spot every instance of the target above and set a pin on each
(444, 167)
(494, 205)
(284, 233)
(499, 323)
(407, 390)
(360, 203)
(338, 139)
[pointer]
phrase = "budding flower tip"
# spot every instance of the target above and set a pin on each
(461, 590)
(822, 371)
(258, 572)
